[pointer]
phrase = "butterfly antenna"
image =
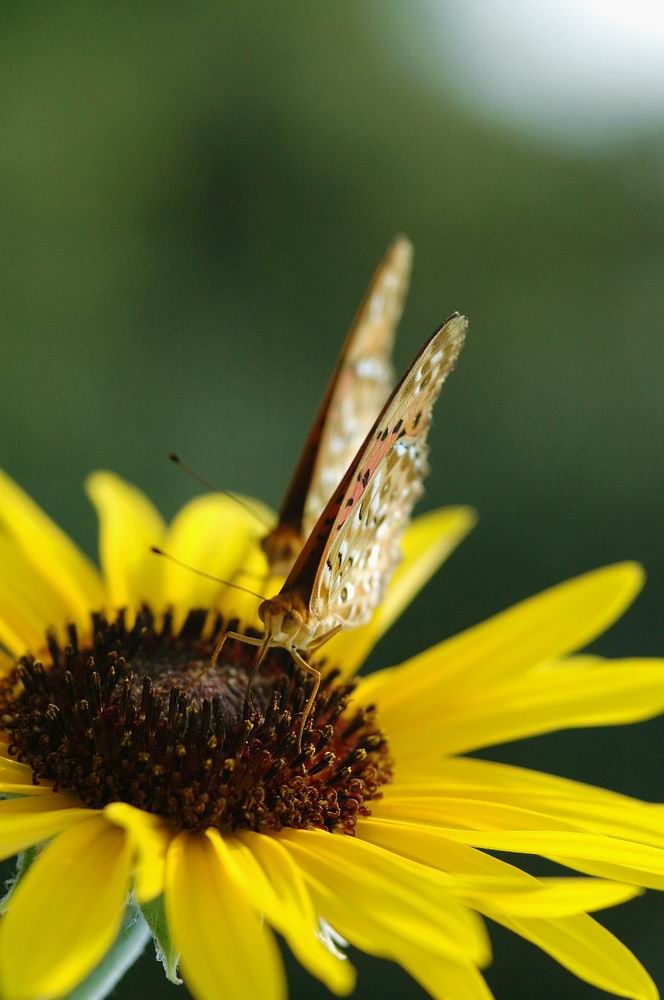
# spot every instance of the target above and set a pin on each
(206, 576)
(176, 460)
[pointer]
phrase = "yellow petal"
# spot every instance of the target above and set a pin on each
(66, 912)
(28, 821)
(16, 633)
(616, 861)
(27, 600)
(150, 836)
(128, 525)
(427, 542)
(53, 555)
(546, 897)
(226, 949)
(594, 809)
(254, 575)
(642, 873)
(610, 857)
(583, 692)
(485, 877)
(213, 534)
(430, 804)
(588, 950)
(470, 771)
(445, 980)
(10, 765)
(429, 846)
(274, 885)
(548, 626)
(365, 926)
(16, 779)
(12, 786)
(404, 898)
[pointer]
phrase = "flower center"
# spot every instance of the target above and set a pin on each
(137, 716)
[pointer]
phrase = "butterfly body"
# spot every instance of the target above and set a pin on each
(337, 540)
(340, 575)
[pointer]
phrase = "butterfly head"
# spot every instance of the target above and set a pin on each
(287, 620)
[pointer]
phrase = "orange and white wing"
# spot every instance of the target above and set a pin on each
(358, 388)
(347, 561)
(365, 378)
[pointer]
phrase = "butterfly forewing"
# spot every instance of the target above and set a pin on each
(360, 384)
(347, 560)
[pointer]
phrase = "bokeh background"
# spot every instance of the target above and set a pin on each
(193, 197)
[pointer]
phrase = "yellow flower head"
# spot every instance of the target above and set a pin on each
(138, 772)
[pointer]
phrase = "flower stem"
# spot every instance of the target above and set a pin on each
(128, 947)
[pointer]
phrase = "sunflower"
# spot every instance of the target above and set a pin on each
(144, 790)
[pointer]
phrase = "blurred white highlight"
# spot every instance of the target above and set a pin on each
(590, 71)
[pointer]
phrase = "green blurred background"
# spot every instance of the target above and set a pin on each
(193, 198)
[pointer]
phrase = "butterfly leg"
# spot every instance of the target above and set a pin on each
(250, 640)
(316, 674)
(301, 662)
(324, 638)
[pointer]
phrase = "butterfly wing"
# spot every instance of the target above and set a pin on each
(364, 378)
(357, 390)
(346, 563)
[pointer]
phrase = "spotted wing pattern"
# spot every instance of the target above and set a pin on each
(347, 561)
(365, 378)
(358, 388)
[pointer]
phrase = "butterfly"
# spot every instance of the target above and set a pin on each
(358, 388)
(342, 570)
